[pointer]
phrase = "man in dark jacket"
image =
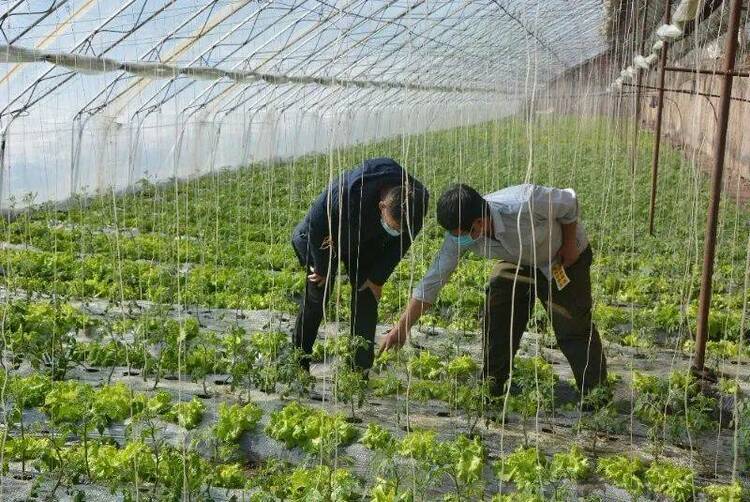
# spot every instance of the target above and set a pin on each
(367, 218)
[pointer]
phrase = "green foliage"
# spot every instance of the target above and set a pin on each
(183, 474)
(673, 404)
(623, 472)
(342, 347)
(188, 414)
(420, 445)
(743, 419)
(350, 386)
(276, 364)
(725, 493)
(573, 465)
(608, 317)
(321, 483)
(536, 380)
(114, 403)
(424, 390)
(387, 385)
(465, 464)
(235, 420)
(315, 431)
(43, 333)
(425, 365)
(388, 490)
(462, 368)
(671, 480)
(121, 468)
(67, 402)
(111, 353)
(230, 476)
(26, 448)
(203, 358)
(158, 404)
(231, 248)
(237, 354)
(636, 340)
(526, 468)
(461, 459)
(30, 391)
(378, 438)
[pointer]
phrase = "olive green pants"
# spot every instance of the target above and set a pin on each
(510, 297)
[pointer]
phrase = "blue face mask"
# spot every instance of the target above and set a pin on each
(390, 231)
(462, 240)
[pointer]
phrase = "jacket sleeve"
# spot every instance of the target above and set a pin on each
(439, 273)
(396, 247)
(323, 222)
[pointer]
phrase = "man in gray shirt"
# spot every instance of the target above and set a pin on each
(536, 233)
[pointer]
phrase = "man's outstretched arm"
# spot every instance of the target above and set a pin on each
(424, 294)
(396, 337)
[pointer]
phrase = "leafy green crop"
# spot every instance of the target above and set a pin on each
(315, 431)
(572, 465)
(526, 468)
(671, 480)
(426, 365)
(68, 402)
(188, 414)
(321, 483)
(235, 420)
(377, 438)
(536, 381)
(725, 493)
(623, 472)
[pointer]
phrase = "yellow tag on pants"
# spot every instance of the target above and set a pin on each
(561, 278)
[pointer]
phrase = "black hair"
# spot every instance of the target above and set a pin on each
(401, 202)
(459, 206)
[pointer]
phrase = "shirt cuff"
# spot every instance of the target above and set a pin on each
(420, 294)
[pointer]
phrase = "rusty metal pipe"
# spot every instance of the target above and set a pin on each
(720, 145)
(691, 93)
(659, 115)
(681, 69)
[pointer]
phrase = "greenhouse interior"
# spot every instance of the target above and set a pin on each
(375, 250)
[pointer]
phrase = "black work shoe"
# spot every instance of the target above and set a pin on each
(565, 393)
(315, 395)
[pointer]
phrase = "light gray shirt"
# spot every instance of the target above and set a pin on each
(526, 219)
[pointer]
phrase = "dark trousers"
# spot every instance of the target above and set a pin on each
(364, 311)
(507, 311)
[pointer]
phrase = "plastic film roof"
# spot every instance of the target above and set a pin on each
(464, 45)
(102, 83)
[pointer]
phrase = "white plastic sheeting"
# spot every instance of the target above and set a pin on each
(101, 92)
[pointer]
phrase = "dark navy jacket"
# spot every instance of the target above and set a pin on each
(348, 211)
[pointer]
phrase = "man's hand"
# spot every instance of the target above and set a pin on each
(377, 291)
(568, 253)
(316, 278)
(395, 339)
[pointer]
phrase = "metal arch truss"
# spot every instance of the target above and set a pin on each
(437, 47)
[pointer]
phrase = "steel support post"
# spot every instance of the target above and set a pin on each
(659, 115)
(720, 144)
